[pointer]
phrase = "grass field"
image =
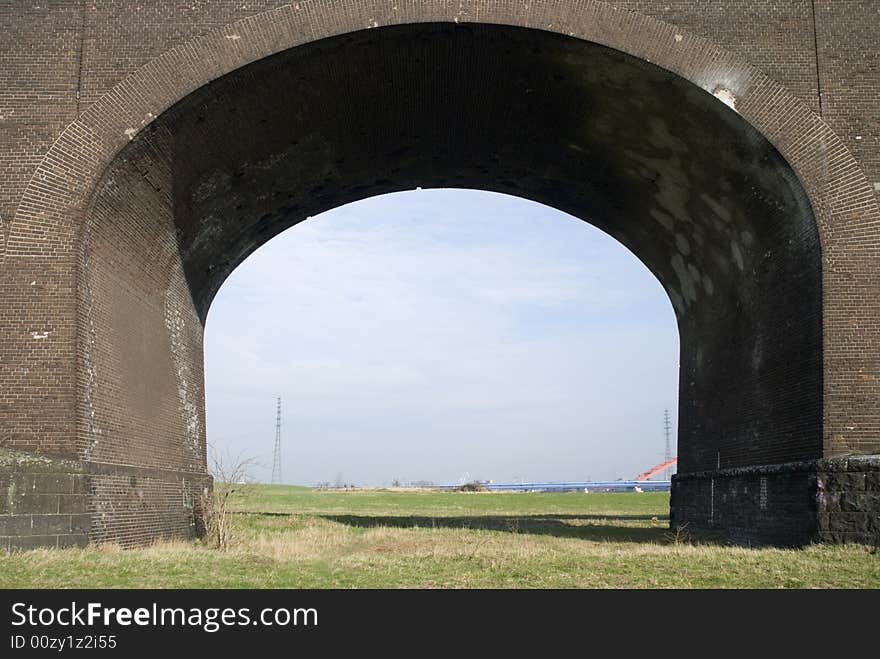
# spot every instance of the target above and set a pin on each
(288, 537)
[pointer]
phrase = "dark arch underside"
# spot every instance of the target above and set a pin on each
(672, 172)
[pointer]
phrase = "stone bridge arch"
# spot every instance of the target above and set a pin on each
(119, 157)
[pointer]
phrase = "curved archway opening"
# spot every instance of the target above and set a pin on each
(674, 174)
(424, 335)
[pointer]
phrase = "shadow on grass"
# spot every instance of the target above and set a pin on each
(583, 527)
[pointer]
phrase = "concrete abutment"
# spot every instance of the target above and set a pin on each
(833, 500)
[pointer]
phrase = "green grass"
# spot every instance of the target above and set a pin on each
(299, 538)
(301, 500)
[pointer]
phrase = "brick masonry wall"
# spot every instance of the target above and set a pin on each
(139, 352)
(849, 71)
(61, 49)
(61, 57)
(66, 503)
(849, 75)
(141, 426)
(39, 64)
(118, 37)
(276, 140)
(132, 506)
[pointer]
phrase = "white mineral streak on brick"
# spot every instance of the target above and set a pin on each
(93, 432)
(189, 408)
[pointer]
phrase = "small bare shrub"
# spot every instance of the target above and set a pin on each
(679, 535)
(231, 476)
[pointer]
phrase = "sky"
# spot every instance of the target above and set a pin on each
(442, 335)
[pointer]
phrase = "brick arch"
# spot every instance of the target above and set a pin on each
(51, 209)
(47, 223)
(77, 159)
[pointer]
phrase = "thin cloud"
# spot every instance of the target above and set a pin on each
(442, 331)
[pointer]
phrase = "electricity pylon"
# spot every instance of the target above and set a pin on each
(276, 461)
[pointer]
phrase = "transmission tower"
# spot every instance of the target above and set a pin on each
(667, 427)
(276, 461)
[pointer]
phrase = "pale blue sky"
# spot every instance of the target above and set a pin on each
(434, 333)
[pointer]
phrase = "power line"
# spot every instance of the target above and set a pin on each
(276, 462)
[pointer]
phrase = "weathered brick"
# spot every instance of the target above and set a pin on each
(39, 504)
(69, 541)
(79, 484)
(50, 524)
(844, 481)
(52, 483)
(79, 524)
(27, 542)
(860, 501)
(854, 523)
(14, 525)
(73, 504)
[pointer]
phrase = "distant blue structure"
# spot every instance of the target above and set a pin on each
(585, 486)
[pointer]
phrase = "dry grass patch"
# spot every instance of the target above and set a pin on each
(425, 540)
